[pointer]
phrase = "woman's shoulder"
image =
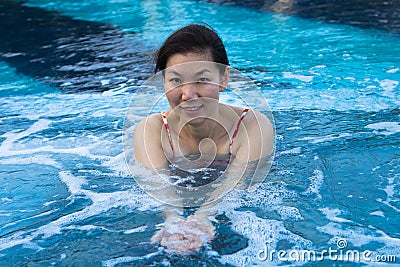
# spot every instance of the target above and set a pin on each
(250, 116)
(231, 111)
(260, 133)
(151, 122)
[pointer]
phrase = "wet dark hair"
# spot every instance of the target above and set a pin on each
(193, 38)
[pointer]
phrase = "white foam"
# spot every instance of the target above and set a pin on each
(385, 128)
(378, 213)
(341, 99)
(316, 182)
(31, 149)
(303, 78)
(88, 227)
(121, 89)
(284, 173)
(5, 214)
(360, 235)
(388, 85)
(327, 138)
(267, 196)
(260, 232)
(15, 240)
(101, 203)
(12, 146)
(119, 166)
(294, 128)
(74, 183)
(319, 67)
(136, 230)
(99, 113)
(393, 70)
(290, 213)
(296, 150)
(118, 261)
(349, 79)
(38, 159)
(66, 84)
(390, 192)
(332, 215)
(48, 203)
(46, 213)
(12, 136)
(104, 82)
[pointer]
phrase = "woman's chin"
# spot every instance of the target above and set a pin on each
(196, 121)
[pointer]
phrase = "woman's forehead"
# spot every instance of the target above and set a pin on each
(181, 58)
(192, 68)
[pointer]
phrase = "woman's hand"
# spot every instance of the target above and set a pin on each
(185, 235)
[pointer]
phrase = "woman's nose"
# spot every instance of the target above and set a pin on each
(189, 91)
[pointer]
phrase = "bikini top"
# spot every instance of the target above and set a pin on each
(165, 121)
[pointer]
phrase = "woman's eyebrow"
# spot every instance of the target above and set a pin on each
(202, 72)
(173, 72)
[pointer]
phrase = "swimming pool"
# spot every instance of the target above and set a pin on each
(66, 80)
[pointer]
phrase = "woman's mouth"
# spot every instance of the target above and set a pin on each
(192, 109)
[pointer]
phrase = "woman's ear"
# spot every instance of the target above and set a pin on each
(225, 79)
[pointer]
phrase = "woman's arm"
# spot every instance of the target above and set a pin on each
(257, 138)
(147, 142)
(150, 154)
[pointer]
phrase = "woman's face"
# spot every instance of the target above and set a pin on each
(192, 82)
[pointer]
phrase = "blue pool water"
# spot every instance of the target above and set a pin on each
(67, 197)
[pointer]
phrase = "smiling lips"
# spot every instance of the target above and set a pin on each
(192, 109)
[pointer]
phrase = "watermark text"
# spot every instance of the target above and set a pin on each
(337, 254)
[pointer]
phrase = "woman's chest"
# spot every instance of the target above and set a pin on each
(204, 146)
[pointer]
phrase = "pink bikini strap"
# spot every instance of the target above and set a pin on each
(244, 112)
(165, 121)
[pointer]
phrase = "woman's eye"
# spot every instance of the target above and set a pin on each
(175, 80)
(203, 80)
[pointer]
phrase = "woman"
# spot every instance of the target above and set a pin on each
(195, 70)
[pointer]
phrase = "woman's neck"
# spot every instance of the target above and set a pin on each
(216, 127)
(209, 128)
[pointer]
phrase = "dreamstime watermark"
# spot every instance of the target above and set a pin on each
(212, 83)
(340, 253)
